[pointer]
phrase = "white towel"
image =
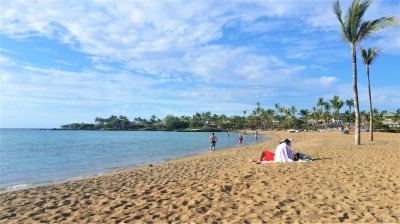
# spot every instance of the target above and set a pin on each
(283, 153)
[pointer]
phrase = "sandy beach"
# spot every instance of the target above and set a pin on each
(346, 183)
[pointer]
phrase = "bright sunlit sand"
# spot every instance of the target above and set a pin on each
(346, 183)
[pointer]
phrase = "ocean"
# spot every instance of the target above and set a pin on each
(31, 158)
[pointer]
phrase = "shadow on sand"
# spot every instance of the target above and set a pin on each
(321, 159)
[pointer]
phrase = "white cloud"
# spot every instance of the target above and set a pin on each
(194, 55)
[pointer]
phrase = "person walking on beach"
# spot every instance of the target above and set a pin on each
(213, 139)
(240, 140)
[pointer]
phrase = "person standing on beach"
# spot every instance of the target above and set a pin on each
(213, 139)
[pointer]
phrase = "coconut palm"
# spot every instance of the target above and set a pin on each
(354, 30)
(336, 105)
(305, 115)
(350, 103)
(327, 114)
(321, 102)
(293, 111)
(277, 106)
(368, 57)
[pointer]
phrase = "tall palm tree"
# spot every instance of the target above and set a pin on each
(354, 30)
(368, 57)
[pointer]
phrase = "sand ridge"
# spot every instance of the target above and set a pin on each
(346, 183)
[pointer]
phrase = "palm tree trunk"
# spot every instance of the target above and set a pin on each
(357, 139)
(371, 119)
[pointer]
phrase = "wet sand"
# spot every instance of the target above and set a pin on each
(346, 183)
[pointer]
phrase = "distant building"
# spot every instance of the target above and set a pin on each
(388, 120)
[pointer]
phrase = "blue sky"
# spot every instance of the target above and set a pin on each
(72, 61)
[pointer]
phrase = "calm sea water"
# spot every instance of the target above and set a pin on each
(31, 158)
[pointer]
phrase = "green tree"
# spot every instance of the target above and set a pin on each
(244, 118)
(368, 57)
(305, 114)
(321, 102)
(327, 114)
(336, 105)
(396, 116)
(350, 104)
(222, 121)
(354, 29)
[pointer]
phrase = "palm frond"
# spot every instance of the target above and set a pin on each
(337, 10)
(369, 55)
(369, 27)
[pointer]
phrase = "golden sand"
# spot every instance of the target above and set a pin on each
(346, 183)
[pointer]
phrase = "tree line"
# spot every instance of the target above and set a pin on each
(323, 115)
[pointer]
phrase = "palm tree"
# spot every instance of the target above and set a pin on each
(350, 103)
(286, 116)
(321, 102)
(305, 115)
(277, 106)
(244, 118)
(368, 57)
(268, 116)
(327, 114)
(222, 120)
(337, 105)
(293, 112)
(354, 30)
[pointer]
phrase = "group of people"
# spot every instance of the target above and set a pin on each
(213, 140)
(283, 153)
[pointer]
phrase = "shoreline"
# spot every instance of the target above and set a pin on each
(346, 183)
(115, 169)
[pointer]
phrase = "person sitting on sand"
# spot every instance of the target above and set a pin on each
(265, 156)
(283, 152)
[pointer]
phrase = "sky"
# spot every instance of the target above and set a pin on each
(72, 61)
